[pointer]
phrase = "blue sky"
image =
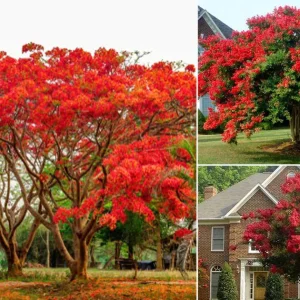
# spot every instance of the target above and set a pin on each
(235, 12)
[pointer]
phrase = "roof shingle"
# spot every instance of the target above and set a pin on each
(219, 205)
(225, 29)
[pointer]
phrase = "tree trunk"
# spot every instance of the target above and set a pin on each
(295, 125)
(48, 248)
(173, 260)
(14, 265)
(108, 262)
(79, 270)
(159, 256)
(64, 251)
(118, 245)
(130, 251)
(92, 256)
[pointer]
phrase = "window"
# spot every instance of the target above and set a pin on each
(290, 175)
(252, 248)
(251, 285)
(217, 239)
(214, 281)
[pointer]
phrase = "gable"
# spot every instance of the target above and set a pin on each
(226, 201)
(210, 25)
(259, 200)
(204, 29)
(273, 185)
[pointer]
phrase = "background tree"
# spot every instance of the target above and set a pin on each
(13, 214)
(255, 75)
(222, 177)
(274, 287)
(275, 232)
(99, 128)
(227, 289)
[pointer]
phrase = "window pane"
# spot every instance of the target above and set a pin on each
(217, 245)
(214, 284)
(218, 233)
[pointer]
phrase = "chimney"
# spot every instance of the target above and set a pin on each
(210, 191)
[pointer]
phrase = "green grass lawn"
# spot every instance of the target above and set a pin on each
(62, 273)
(212, 150)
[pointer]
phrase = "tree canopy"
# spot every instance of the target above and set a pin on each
(95, 133)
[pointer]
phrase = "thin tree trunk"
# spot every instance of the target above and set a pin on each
(173, 260)
(130, 251)
(118, 245)
(48, 248)
(108, 262)
(159, 255)
(71, 262)
(92, 256)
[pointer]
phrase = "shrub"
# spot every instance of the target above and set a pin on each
(201, 121)
(266, 125)
(227, 288)
(274, 287)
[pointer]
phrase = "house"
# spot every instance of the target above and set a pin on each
(221, 225)
(209, 25)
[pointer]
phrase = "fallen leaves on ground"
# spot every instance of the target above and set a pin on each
(112, 289)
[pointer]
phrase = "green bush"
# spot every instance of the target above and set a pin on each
(227, 288)
(266, 125)
(201, 121)
(274, 287)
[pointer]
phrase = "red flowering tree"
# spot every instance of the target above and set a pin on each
(255, 75)
(276, 232)
(95, 134)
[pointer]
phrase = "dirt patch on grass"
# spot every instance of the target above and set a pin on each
(286, 148)
(20, 284)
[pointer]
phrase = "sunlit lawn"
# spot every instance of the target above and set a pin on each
(212, 150)
(110, 285)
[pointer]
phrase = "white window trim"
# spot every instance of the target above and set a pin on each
(250, 250)
(251, 274)
(211, 242)
(210, 279)
(291, 174)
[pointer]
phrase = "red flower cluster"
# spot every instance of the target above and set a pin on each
(181, 232)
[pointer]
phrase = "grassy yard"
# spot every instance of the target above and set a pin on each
(212, 150)
(53, 284)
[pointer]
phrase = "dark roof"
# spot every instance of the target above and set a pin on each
(225, 29)
(219, 205)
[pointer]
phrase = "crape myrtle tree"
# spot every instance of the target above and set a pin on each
(255, 75)
(94, 133)
(13, 212)
(275, 232)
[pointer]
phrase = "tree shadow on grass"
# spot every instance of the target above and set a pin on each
(260, 157)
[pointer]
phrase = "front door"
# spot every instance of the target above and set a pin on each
(260, 279)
